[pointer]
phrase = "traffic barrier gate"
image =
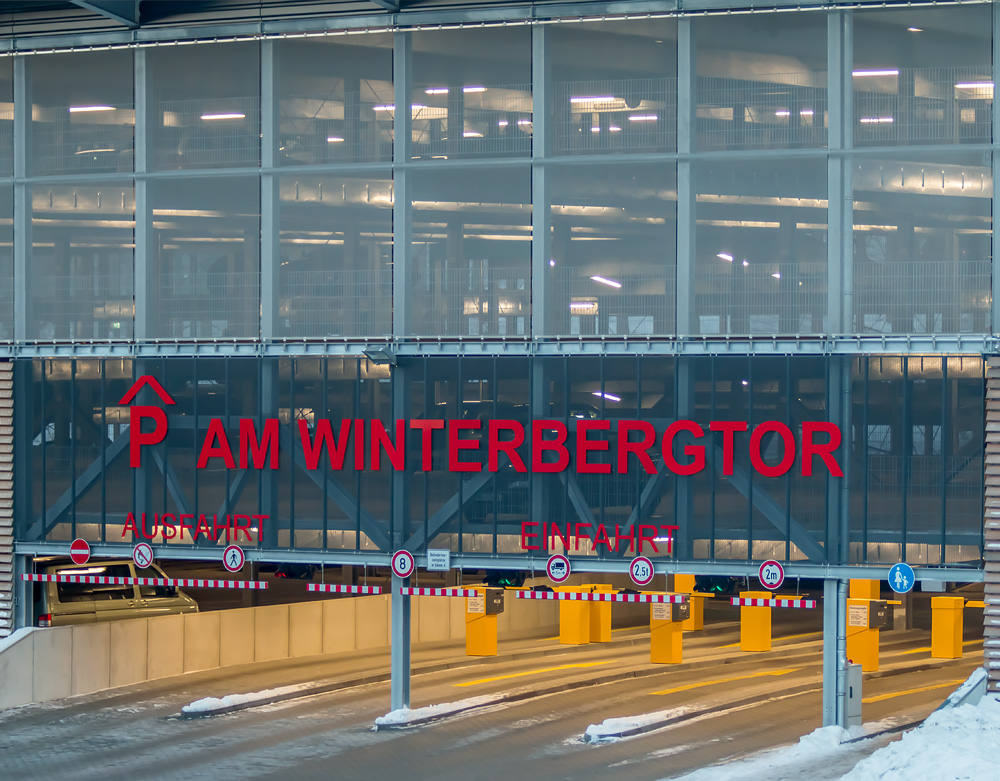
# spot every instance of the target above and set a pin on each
(755, 617)
(948, 625)
(684, 584)
(483, 605)
(105, 580)
(336, 588)
(867, 615)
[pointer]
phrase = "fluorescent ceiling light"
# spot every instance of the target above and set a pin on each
(552, 262)
(436, 91)
(782, 113)
(503, 123)
(643, 118)
(594, 99)
(744, 382)
(583, 305)
(473, 89)
(383, 108)
(595, 130)
(83, 109)
(92, 151)
(226, 115)
(608, 396)
(523, 122)
(879, 72)
(471, 134)
(725, 256)
(417, 107)
(974, 85)
(614, 129)
(915, 29)
(745, 263)
(876, 120)
(606, 281)
(333, 139)
(776, 275)
(806, 112)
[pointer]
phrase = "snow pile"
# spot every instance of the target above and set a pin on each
(208, 704)
(611, 728)
(978, 678)
(955, 743)
(813, 751)
(402, 716)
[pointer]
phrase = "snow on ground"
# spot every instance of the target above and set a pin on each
(953, 744)
(207, 704)
(614, 727)
(405, 715)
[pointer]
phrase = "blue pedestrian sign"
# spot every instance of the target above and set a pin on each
(901, 578)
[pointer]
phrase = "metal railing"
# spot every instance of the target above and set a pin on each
(82, 306)
(69, 140)
(212, 133)
(477, 301)
(478, 121)
(335, 303)
(642, 304)
(209, 305)
(317, 130)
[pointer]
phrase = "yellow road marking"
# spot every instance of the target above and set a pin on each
(535, 672)
(788, 637)
(880, 697)
(621, 629)
(689, 686)
(928, 648)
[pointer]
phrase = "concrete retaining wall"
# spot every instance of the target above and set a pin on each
(46, 664)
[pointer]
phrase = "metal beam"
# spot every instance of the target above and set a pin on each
(388, 5)
(124, 12)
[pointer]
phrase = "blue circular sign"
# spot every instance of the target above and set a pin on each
(901, 578)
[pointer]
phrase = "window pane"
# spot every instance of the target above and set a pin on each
(328, 92)
(760, 248)
(82, 111)
(612, 269)
(761, 81)
(923, 76)
(80, 285)
(472, 93)
(206, 273)
(922, 234)
(471, 252)
(336, 256)
(205, 103)
(615, 86)
(6, 116)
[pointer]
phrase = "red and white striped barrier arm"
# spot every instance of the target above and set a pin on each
(603, 596)
(744, 602)
(104, 580)
(332, 588)
(414, 591)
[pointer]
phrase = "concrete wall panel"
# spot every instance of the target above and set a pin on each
(91, 657)
(271, 633)
(165, 646)
(53, 668)
(372, 622)
(305, 629)
(339, 619)
(434, 621)
(202, 641)
(236, 636)
(128, 651)
(16, 664)
(456, 627)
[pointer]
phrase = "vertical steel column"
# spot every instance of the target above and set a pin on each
(270, 198)
(399, 689)
(834, 652)
(145, 252)
(995, 239)
(402, 213)
(686, 110)
(684, 493)
(24, 606)
(541, 149)
(22, 198)
(840, 140)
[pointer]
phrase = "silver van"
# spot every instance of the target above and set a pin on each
(62, 604)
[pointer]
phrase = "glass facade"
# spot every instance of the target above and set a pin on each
(757, 217)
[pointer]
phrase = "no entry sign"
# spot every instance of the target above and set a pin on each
(79, 551)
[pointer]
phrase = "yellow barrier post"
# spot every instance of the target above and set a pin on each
(574, 619)
(600, 616)
(684, 584)
(865, 589)
(480, 628)
(755, 623)
(862, 642)
(666, 637)
(946, 627)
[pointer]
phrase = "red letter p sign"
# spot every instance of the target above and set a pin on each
(138, 437)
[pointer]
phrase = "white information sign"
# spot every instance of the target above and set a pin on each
(438, 559)
(857, 615)
(476, 604)
(662, 611)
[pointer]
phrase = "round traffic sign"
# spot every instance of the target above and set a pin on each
(233, 558)
(771, 575)
(557, 568)
(641, 570)
(901, 578)
(403, 564)
(142, 555)
(79, 551)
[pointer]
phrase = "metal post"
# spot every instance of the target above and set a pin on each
(842, 653)
(402, 213)
(399, 687)
(831, 714)
(24, 608)
(22, 197)
(684, 502)
(270, 201)
(686, 111)
(840, 263)
(145, 251)
(541, 147)
(995, 239)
